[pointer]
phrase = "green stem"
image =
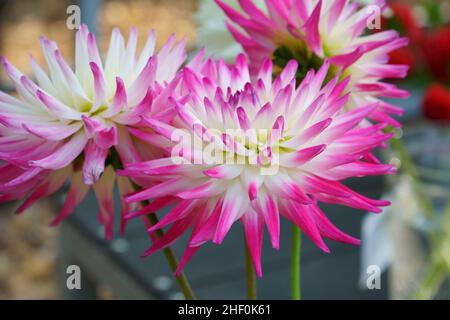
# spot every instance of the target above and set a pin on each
(251, 277)
(431, 282)
(295, 263)
(172, 260)
(435, 273)
(181, 280)
(437, 269)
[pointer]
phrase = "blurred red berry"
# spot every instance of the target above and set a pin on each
(404, 15)
(436, 48)
(403, 21)
(436, 104)
(404, 56)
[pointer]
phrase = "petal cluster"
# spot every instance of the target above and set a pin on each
(311, 31)
(280, 148)
(74, 124)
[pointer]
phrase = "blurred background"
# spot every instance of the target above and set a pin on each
(409, 242)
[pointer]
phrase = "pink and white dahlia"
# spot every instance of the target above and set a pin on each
(73, 125)
(313, 30)
(255, 151)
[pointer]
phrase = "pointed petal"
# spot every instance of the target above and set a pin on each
(52, 184)
(76, 194)
(94, 162)
(103, 191)
(253, 228)
(63, 156)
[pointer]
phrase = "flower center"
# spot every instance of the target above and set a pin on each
(306, 59)
(257, 147)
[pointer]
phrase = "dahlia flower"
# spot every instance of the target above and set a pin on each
(311, 31)
(74, 124)
(255, 151)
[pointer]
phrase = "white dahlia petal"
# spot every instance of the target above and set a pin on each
(72, 124)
